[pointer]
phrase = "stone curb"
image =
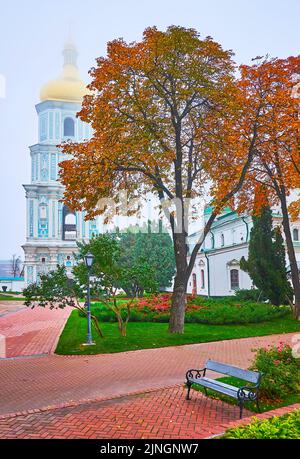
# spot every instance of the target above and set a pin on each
(55, 343)
(157, 349)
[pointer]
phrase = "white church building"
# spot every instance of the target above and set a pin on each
(217, 267)
(52, 228)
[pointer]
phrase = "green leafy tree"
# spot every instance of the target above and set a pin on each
(110, 275)
(56, 291)
(151, 247)
(266, 260)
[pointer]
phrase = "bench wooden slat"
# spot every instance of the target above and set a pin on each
(217, 386)
(230, 370)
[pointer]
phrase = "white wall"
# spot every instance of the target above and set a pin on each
(12, 285)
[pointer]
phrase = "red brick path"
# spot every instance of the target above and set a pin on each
(32, 331)
(40, 382)
(160, 414)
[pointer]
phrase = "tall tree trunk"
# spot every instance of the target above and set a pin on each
(291, 254)
(176, 324)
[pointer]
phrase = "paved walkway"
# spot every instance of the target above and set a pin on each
(9, 307)
(51, 381)
(30, 331)
(160, 414)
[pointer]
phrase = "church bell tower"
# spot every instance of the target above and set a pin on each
(52, 228)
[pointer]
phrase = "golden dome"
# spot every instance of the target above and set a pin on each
(68, 87)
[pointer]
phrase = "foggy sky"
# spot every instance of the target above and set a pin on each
(32, 35)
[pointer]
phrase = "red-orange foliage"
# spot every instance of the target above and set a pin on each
(153, 104)
(275, 170)
(168, 116)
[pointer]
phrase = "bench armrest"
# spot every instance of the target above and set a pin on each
(195, 374)
(248, 393)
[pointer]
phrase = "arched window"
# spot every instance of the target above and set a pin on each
(194, 290)
(43, 220)
(68, 261)
(234, 279)
(222, 240)
(70, 219)
(296, 234)
(69, 225)
(202, 279)
(69, 127)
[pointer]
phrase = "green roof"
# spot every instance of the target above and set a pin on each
(11, 278)
(208, 210)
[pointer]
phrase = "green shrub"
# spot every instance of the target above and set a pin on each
(239, 313)
(202, 311)
(252, 294)
(203, 301)
(281, 372)
(277, 427)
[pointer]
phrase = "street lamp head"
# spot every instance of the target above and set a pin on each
(89, 258)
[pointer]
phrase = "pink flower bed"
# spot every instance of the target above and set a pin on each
(162, 303)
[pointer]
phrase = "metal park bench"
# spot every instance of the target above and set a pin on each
(241, 394)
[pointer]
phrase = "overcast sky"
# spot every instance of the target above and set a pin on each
(32, 34)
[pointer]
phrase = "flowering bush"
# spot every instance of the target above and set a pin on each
(222, 311)
(155, 303)
(281, 371)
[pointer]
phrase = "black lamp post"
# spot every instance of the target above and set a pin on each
(89, 258)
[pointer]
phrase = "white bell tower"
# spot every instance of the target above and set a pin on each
(52, 228)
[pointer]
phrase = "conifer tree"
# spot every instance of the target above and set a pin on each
(266, 261)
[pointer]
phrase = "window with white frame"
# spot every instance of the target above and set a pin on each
(69, 127)
(296, 234)
(234, 279)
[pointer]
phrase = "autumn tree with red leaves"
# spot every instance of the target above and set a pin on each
(275, 170)
(166, 116)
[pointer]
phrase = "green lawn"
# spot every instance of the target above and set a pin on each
(10, 297)
(146, 335)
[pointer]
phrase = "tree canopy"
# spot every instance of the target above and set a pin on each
(114, 269)
(272, 85)
(169, 116)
